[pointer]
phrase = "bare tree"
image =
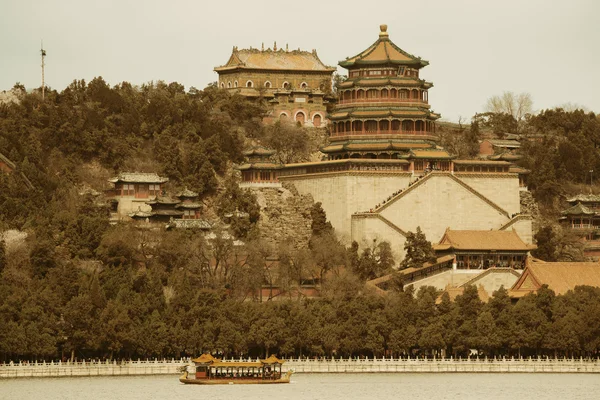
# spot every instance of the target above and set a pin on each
(516, 105)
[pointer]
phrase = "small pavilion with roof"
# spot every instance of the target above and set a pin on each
(583, 218)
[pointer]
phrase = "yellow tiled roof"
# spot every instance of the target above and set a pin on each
(454, 292)
(481, 162)
(383, 51)
(482, 240)
(431, 154)
(561, 276)
(296, 60)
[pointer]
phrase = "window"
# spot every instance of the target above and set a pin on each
(189, 214)
(128, 189)
(285, 85)
(268, 84)
(249, 84)
(222, 85)
(154, 190)
(265, 175)
(235, 84)
(376, 72)
(401, 71)
(304, 85)
(229, 84)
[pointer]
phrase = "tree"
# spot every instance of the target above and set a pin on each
(375, 260)
(547, 244)
(418, 250)
(515, 105)
(2, 255)
(319, 224)
(291, 142)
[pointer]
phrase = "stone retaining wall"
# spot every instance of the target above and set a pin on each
(171, 367)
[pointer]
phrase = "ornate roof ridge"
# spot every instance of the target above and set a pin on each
(263, 59)
(382, 41)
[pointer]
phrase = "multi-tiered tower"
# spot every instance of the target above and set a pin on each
(383, 107)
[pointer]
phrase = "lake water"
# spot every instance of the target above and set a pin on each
(316, 387)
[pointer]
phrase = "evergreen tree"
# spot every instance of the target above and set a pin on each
(418, 250)
(319, 224)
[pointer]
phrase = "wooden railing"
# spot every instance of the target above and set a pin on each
(380, 100)
(380, 132)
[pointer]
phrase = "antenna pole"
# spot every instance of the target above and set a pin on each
(43, 55)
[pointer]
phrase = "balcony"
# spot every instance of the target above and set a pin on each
(381, 102)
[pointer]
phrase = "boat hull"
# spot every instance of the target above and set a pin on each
(233, 381)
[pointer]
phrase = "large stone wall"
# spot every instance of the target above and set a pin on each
(342, 194)
(436, 202)
(501, 189)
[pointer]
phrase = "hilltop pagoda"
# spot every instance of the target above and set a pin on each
(383, 107)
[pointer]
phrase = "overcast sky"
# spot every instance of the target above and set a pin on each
(476, 48)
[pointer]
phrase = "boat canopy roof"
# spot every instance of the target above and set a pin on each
(215, 362)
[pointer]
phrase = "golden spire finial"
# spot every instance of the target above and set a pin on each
(383, 32)
(274, 46)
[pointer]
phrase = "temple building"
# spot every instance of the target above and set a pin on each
(166, 209)
(296, 84)
(583, 218)
(384, 174)
(131, 191)
(484, 249)
(383, 107)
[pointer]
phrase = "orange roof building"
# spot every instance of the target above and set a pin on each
(559, 276)
(474, 249)
(296, 83)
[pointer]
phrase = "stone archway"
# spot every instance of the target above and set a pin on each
(300, 117)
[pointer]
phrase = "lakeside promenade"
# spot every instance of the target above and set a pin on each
(337, 365)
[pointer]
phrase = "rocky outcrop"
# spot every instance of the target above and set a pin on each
(530, 207)
(284, 216)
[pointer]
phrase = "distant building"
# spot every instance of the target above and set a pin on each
(497, 147)
(583, 218)
(295, 83)
(185, 206)
(131, 191)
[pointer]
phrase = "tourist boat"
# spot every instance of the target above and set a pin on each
(212, 371)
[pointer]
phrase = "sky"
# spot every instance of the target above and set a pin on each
(476, 48)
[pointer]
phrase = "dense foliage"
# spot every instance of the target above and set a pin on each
(78, 287)
(122, 312)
